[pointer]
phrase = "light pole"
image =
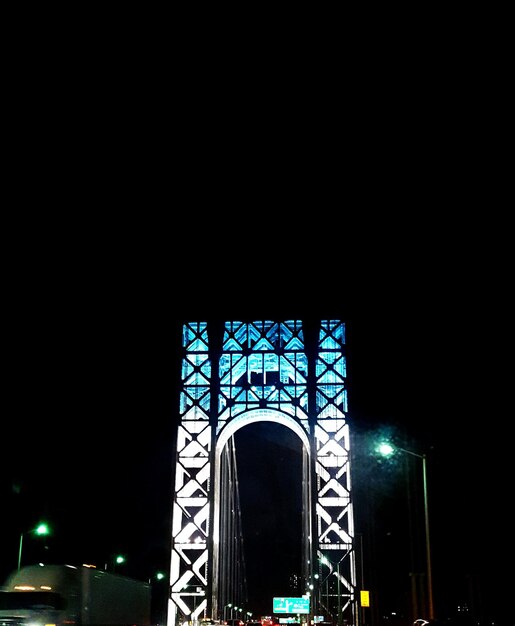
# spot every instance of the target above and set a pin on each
(387, 449)
(41, 529)
(362, 574)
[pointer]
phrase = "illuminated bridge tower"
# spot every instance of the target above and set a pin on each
(234, 374)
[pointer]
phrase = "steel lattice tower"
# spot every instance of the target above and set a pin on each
(287, 372)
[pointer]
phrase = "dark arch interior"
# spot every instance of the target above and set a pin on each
(269, 459)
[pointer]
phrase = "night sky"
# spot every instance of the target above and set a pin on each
(90, 405)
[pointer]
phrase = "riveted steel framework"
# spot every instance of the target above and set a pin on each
(263, 371)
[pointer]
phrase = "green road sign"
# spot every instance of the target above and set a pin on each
(291, 605)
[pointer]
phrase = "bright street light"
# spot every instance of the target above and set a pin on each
(227, 606)
(386, 449)
(41, 529)
(157, 576)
